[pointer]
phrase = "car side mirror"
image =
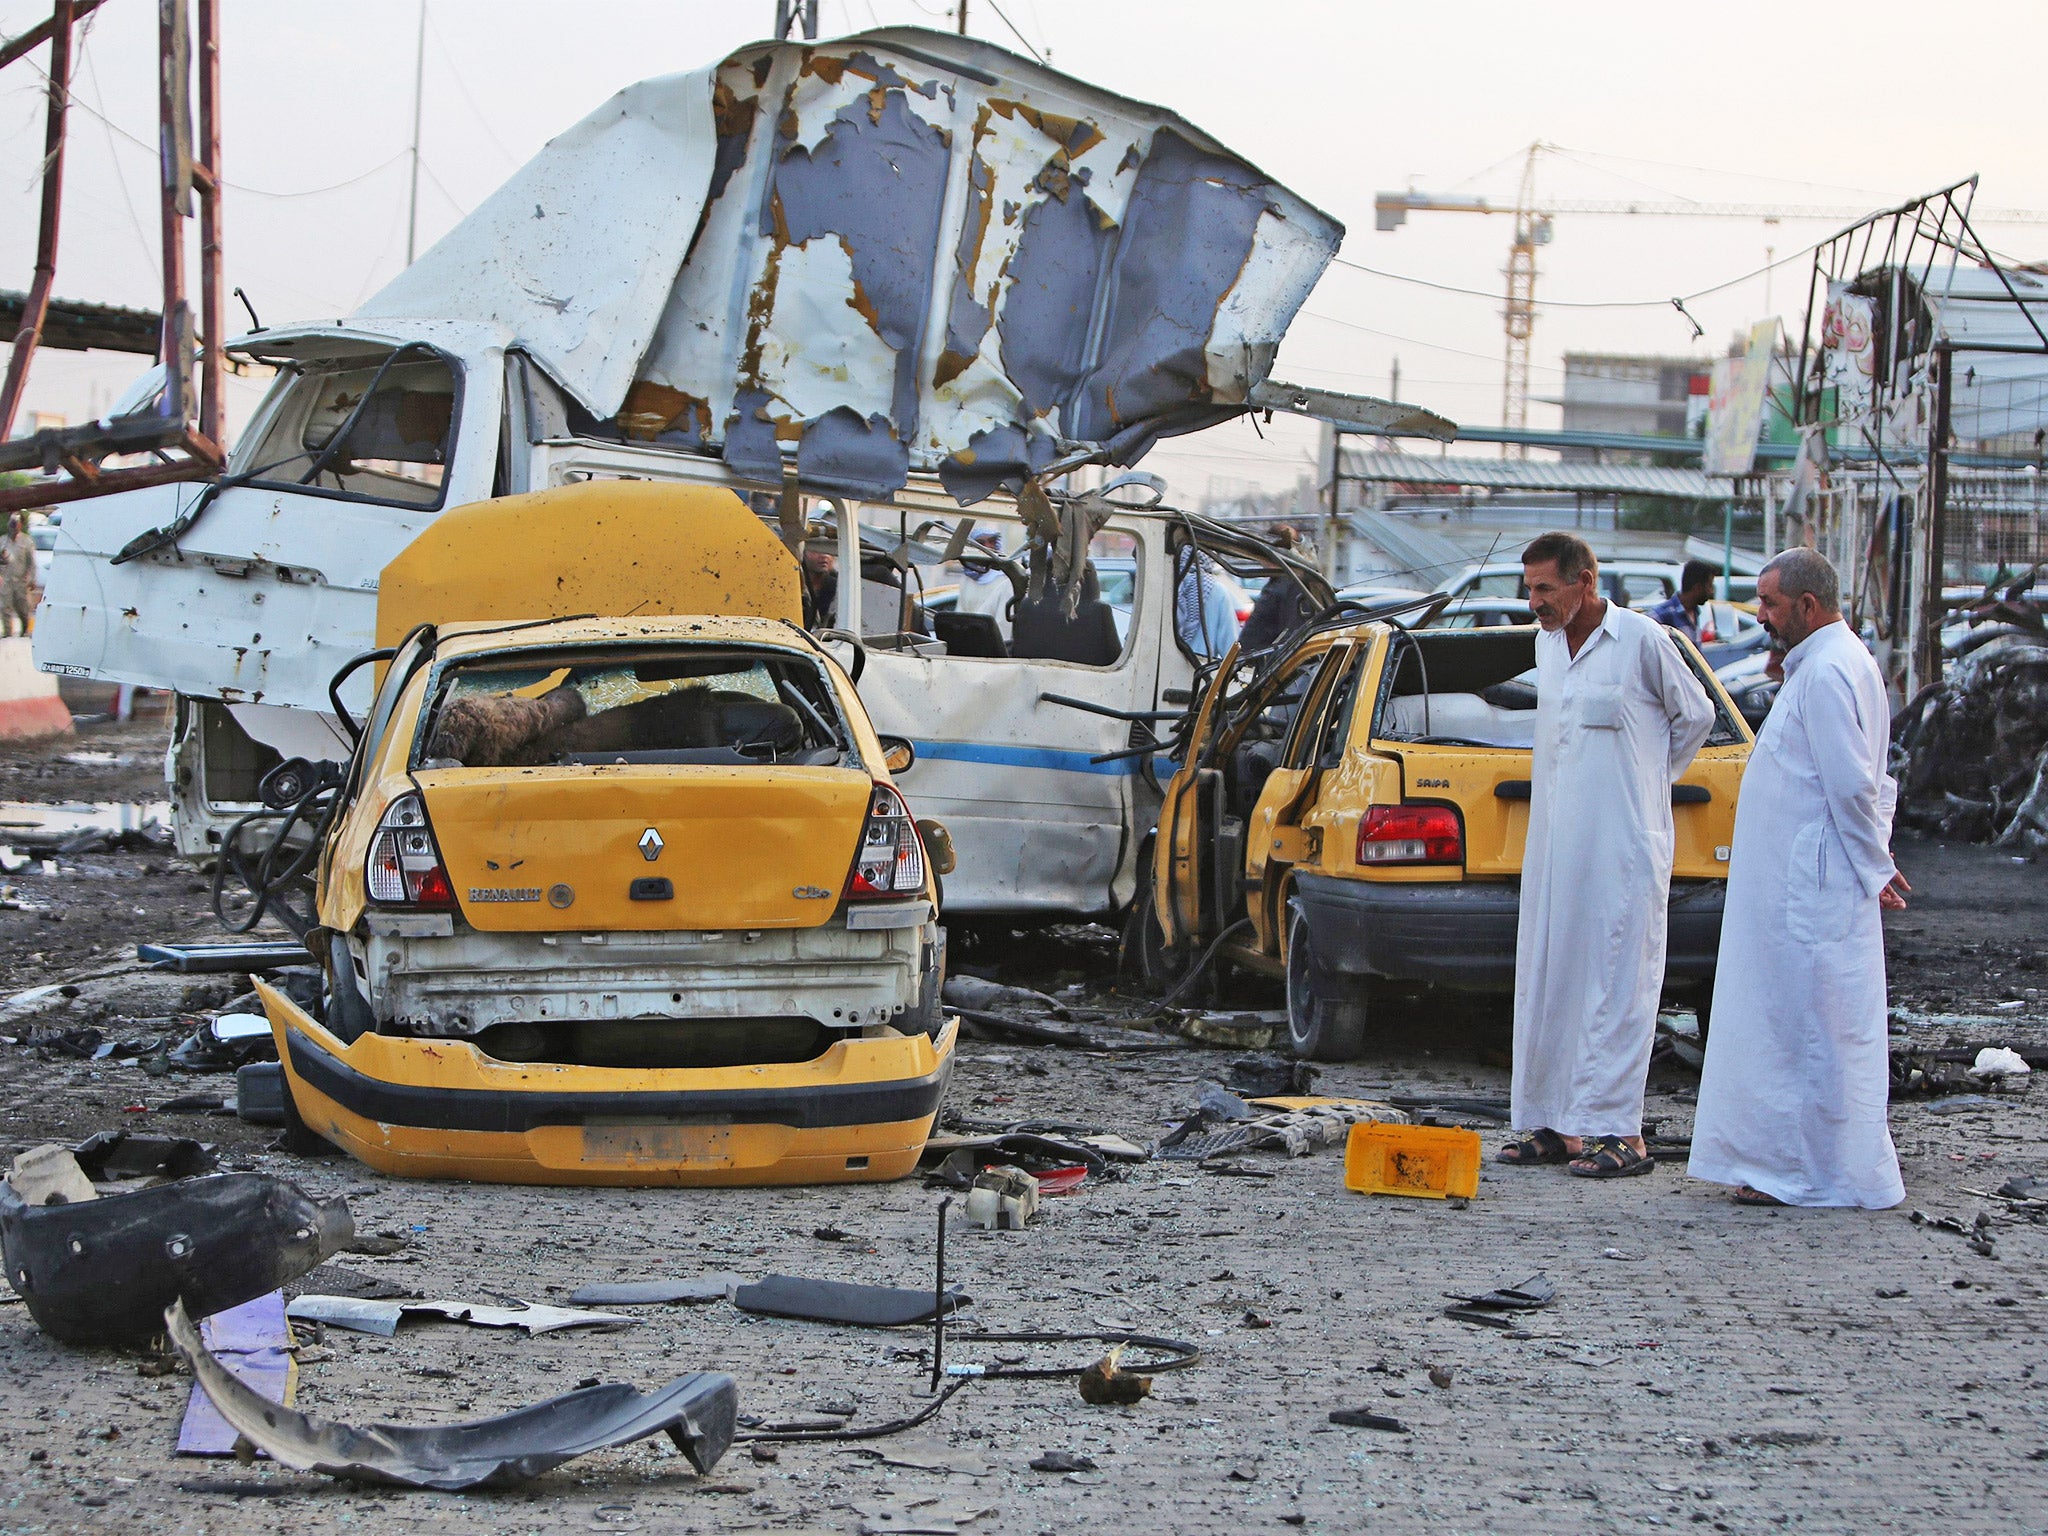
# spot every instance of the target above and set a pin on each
(897, 753)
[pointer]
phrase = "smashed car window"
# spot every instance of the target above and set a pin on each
(381, 429)
(652, 707)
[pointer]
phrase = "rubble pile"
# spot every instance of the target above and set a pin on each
(1976, 747)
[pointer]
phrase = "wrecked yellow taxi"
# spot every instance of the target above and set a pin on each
(608, 900)
(1350, 811)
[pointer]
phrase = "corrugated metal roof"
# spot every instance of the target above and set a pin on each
(1532, 475)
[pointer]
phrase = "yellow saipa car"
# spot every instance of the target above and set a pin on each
(616, 900)
(1352, 810)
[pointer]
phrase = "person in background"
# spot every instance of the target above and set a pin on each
(17, 576)
(1283, 604)
(1681, 611)
(1793, 1094)
(821, 588)
(986, 588)
(1204, 617)
(1619, 715)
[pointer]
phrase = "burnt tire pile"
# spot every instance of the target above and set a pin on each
(1976, 748)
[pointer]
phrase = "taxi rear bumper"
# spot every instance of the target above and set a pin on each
(1463, 934)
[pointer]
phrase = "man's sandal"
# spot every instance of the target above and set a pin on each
(1610, 1157)
(1535, 1148)
(1745, 1195)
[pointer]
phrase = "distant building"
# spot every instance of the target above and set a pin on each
(1618, 393)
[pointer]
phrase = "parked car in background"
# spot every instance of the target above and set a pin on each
(1632, 583)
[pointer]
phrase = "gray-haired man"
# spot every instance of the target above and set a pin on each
(1793, 1093)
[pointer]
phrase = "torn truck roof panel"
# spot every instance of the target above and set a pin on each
(901, 252)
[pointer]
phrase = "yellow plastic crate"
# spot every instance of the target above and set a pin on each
(1429, 1160)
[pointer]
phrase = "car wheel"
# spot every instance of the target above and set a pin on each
(1144, 951)
(349, 1017)
(300, 1139)
(1325, 1017)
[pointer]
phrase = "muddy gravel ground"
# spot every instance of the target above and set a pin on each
(1702, 1365)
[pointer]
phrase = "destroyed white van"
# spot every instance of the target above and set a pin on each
(866, 283)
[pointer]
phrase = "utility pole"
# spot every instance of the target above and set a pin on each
(788, 13)
(962, 28)
(419, 73)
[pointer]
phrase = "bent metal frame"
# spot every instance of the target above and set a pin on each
(177, 447)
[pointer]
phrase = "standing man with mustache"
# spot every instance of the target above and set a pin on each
(1619, 715)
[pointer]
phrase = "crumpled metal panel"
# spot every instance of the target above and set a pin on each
(902, 251)
(698, 1412)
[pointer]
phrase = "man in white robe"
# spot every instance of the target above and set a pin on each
(1619, 715)
(1794, 1090)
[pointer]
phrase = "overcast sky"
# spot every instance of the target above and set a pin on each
(1739, 101)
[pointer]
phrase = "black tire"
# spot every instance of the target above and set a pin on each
(1144, 953)
(300, 1139)
(927, 1016)
(349, 1016)
(1326, 1015)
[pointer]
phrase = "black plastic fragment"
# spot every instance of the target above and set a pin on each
(1359, 1418)
(102, 1271)
(838, 1301)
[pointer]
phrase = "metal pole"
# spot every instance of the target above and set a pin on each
(174, 60)
(212, 297)
(1931, 610)
(963, 18)
(1727, 547)
(939, 1300)
(37, 308)
(419, 73)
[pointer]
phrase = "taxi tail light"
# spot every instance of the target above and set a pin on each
(890, 859)
(1411, 834)
(404, 867)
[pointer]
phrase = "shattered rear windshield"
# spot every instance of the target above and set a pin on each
(662, 707)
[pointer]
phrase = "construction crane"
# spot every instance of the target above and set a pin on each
(1533, 228)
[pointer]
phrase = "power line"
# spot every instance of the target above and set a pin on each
(150, 149)
(1029, 46)
(1483, 293)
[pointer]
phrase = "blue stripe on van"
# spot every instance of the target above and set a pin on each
(1030, 757)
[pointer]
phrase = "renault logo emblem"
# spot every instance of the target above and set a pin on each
(650, 845)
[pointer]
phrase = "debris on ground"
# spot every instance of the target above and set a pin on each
(1999, 1062)
(1003, 1199)
(698, 1412)
(1062, 1461)
(1976, 1236)
(1362, 1418)
(841, 1301)
(1299, 1126)
(161, 1226)
(362, 1314)
(1502, 1306)
(1107, 1383)
(1434, 1161)
(646, 1293)
(253, 1342)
